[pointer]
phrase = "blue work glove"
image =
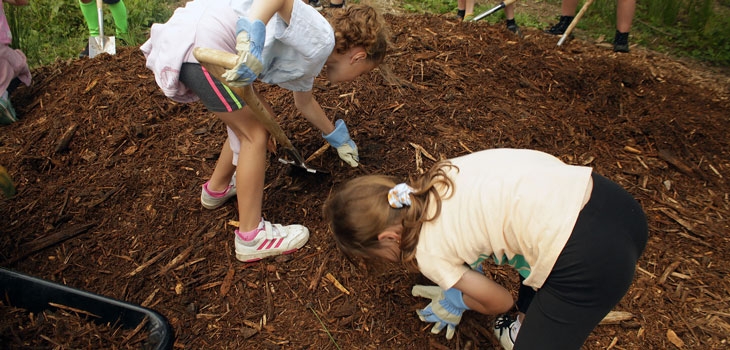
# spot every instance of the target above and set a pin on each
(444, 310)
(250, 38)
(340, 139)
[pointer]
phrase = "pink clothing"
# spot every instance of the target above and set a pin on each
(6, 37)
(172, 43)
(12, 62)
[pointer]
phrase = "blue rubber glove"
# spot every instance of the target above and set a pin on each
(250, 38)
(445, 309)
(340, 139)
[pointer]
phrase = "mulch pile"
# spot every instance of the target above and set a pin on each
(108, 173)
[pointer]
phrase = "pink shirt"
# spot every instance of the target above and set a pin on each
(5, 36)
(12, 62)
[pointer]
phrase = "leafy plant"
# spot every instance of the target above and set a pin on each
(62, 33)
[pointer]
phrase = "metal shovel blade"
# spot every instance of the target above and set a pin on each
(101, 44)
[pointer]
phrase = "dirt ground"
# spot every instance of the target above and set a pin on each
(115, 211)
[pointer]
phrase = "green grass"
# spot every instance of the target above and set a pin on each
(699, 29)
(49, 30)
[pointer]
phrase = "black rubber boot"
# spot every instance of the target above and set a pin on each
(561, 26)
(513, 27)
(621, 42)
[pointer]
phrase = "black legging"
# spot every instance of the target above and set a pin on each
(591, 275)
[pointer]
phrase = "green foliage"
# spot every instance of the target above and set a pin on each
(700, 14)
(663, 12)
(693, 28)
(48, 30)
(429, 6)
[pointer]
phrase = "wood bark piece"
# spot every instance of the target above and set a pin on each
(149, 262)
(65, 140)
(317, 276)
(51, 240)
(175, 261)
(684, 223)
(337, 283)
(676, 162)
(228, 281)
(616, 317)
(673, 266)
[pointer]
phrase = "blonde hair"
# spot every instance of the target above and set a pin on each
(361, 26)
(359, 211)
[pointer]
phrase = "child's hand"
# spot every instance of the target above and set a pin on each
(250, 38)
(445, 309)
(340, 139)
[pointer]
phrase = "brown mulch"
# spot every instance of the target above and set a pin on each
(115, 210)
(63, 329)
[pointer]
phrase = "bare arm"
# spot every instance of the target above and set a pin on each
(483, 295)
(264, 9)
(312, 111)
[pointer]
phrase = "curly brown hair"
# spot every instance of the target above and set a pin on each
(361, 26)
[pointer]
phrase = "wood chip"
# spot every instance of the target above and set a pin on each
(674, 339)
(616, 317)
(227, 281)
(673, 266)
(337, 283)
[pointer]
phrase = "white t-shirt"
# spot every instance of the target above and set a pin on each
(512, 206)
(293, 53)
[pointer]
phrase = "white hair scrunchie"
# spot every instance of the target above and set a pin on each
(400, 196)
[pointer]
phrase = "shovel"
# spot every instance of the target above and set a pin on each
(101, 44)
(216, 61)
(501, 5)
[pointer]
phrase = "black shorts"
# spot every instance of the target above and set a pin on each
(215, 95)
(592, 273)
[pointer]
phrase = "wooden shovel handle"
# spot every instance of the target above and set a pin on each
(216, 62)
(574, 22)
